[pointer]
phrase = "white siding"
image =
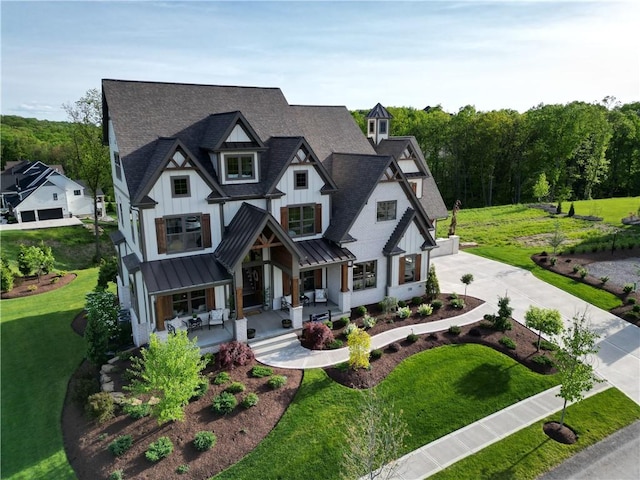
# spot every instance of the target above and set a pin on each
(231, 208)
(408, 166)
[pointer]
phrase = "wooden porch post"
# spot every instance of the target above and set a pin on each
(344, 283)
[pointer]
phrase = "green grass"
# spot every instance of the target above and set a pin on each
(40, 351)
(454, 385)
(612, 210)
(530, 453)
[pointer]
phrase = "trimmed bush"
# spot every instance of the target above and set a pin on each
(342, 322)
(277, 381)
(454, 330)
(627, 288)
(394, 347)
(209, 359)
(120, 445)
(416, 300)
(604, 279)
(182, 469)
(457, 303)
(583, 273)
(100, 406)
(436, 304)
(221, 378)
(507, 342)
(204, 440)
(316, 335)
(83, 388)
(224, 403)
(546, 345)
(138, 411)
(404, 312)
(631, 301)
(636, 308)
(425, 309)
(412, 337)
(201, 389)
(116, 475)
(250, 400)
(159, 449)
(553, 261)
(375, 354)
(475, 332)
(542, 360)
(576, 268)
(362, 310)
(234, 353)
(335, 344)
(329, 324)
(260, 371)
(235, 387)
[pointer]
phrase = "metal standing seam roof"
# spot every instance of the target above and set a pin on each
(321, 251)
(379, 112)
(183, 273)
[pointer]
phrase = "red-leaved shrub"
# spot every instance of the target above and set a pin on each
(316, 335)
(234, 353)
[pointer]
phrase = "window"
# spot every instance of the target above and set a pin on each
(410, 268)
(239, 167)
(187, 303)
(183, 233)
(77, 193)
(364, 275)
(308, 280)
(386, 210)
(116, 159)
(383, 127)
(302, 220)
(301, 180)
(372, 126)
(55, 196)
(180, 186)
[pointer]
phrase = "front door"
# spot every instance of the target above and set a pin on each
(252, 279)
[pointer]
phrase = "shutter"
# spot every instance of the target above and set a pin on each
(401, 262)
(286, 284)
(418, 267)
(284, 218)
(318, 218)
(163, 310)
(206, 230)
(317, 278)
(161, 235)
(210, 298)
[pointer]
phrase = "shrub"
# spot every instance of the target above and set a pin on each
(182, 469)
(350, 328)
(546, 345)
(120, 445)
(6, 275)
(316, 335)
(388, 305)
(576, 268)
(369, 322)
(394, 347)
(234, 353)
(32, 288)
(250, 400)
(432, 286)
(457, 303)
(572, 211)
(342, 322)
(425, 309)
(627, 288)
(375, 354)
(475, 332)
(208, 359)
(221, 378)
(100, 406)
(260, 371)
(204, 440)
(412, 337)
(83, 388)
(436, 304)
(402, 304)
(416, 300)
(224, 403)
(362, 310)
(583, 273)
(542, 360)
(335, 344)
(201, 389)
(604, 279)
(235, 387)
(404, 312)
(553, 261)
(636, 308)
(329, 324)
(359, 348)
(138, 411)
(454, 330)
(116, 475)
(277, 381)
(507, 342)
(159, 449)
(631, 301)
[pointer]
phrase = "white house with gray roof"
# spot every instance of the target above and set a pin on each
(229, 197)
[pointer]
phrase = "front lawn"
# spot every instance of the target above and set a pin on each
(438, 391)
(40, 351)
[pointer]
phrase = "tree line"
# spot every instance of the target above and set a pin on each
(585, 150)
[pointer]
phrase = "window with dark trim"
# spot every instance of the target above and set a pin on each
(302, 220)
(77, 193)
(187, 303)
(364, 275)
(372, 126)
(410, 268)
(383, 127)
(308, 280)
(183, 233)
(386, 210)
(116, 159)
(180, 186)
(301, 179)
(55, 196)
(239, 167)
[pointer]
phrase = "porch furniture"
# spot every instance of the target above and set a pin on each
(304, 300)
(192, 324)
(216, 317)
(285, 302)
(320, 296)
(170, 328)
(320, 317)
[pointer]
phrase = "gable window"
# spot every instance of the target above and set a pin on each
(116, 159)
(55, 196)
(386, 210)
(383, 127)
(183, 233)
(188, 302)
(301, 180)
(77, 193)
(364, 275)
(239, 167)
(372, 126)
(302, 220)
(180, 187)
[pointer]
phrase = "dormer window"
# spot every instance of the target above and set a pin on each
(240, 167)
(383, 127)
(372, 127)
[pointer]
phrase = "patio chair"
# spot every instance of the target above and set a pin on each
(320, 296)
(285, 302)
(170, 328)
(216, 317)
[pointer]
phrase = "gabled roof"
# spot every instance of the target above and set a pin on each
(379, 112)
(243, 231)
(409, 216)
(220, 126)
(23, 178)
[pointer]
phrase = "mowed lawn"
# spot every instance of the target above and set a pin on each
(438, 391)
(40, 351)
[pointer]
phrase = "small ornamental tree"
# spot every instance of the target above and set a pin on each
(541, 187)
(35, 259)
(316, 335)
(6, 275)
(102, 324)
(432, 286)
(108, 273)
(359, 346)
(557, 238)
(467, 278)
(572, 361)
(170, 371)
(502, 320)
(545, 320)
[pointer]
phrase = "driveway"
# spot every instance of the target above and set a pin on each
(619, 357)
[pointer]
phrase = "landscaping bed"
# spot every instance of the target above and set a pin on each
(26, 286)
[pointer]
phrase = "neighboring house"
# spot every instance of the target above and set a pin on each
(231, 197)
(33, 191)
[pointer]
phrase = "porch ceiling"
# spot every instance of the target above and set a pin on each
(322, 252)
(181, 273)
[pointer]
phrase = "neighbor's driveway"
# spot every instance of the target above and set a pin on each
(619, 357)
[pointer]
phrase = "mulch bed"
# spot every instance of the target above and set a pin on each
(27, 286)
(560, 433)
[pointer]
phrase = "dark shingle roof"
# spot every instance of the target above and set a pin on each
(379, 112)
(183, 273)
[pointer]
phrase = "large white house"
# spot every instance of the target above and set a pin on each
(231, 197)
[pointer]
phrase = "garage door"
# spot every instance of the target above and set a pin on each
(50, 213)
(28, 216)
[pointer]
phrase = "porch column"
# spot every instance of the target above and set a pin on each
(344, 278)
(296, 309)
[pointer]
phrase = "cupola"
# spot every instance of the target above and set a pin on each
(378, 124)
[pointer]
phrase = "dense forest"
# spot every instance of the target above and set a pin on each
(585, 150)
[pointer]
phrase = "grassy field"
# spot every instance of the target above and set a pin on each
(458, 385)
(529, 453)
(39, 354)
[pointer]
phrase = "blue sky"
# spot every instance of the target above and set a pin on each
(500, 54)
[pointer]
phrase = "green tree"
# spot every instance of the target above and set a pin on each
(92, 157)
(432, 285)
(108, 273)
(557, 238)
(359, 343)
(170, 371)
(541, 187)
(572, 361)
(467, 278)
(502, 320)
(545, 320)
(35, 259)
(102, 324)
(6, 275)
(375, 440)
